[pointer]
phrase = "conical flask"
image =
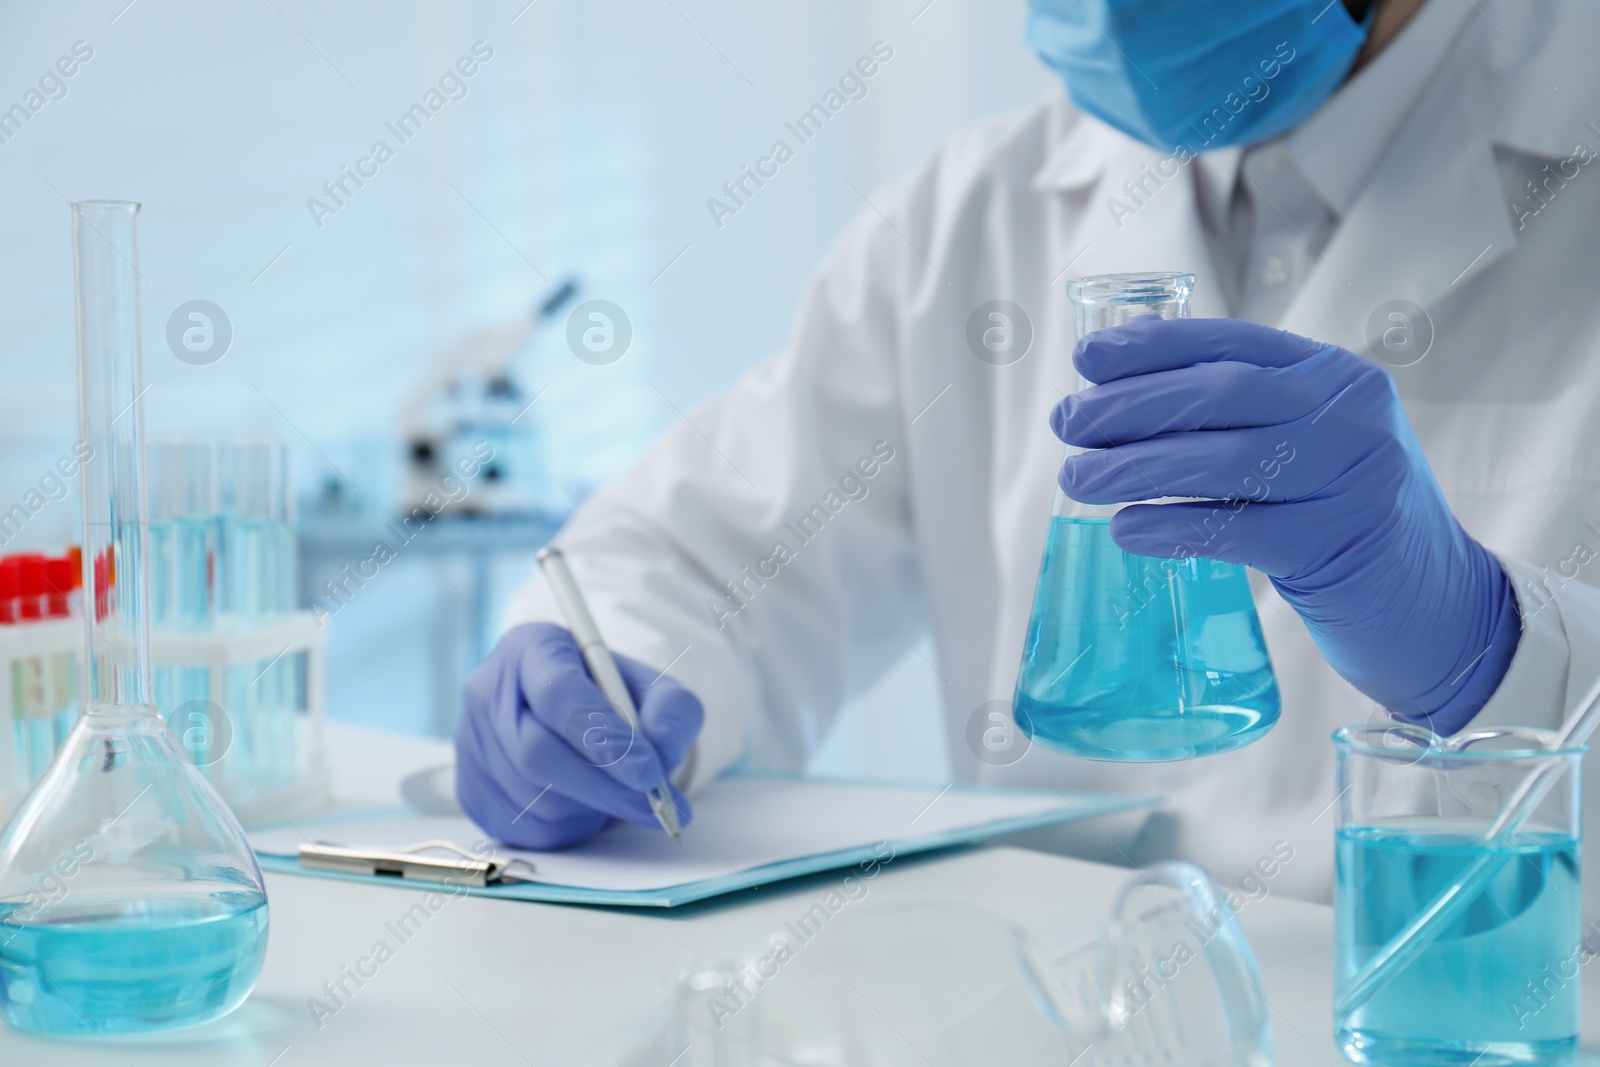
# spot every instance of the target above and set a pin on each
(1127, 657)
(129, 898)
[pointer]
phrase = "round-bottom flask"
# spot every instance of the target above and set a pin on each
(129, 897)
(129, 900)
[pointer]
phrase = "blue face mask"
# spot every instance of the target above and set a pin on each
(1197, 74)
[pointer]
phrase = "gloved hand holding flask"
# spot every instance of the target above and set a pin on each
(1353, 530)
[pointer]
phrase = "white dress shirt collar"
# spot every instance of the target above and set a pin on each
(1338, 147)
(1270, 209)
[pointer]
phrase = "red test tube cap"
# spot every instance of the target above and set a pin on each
(58, 576)
(30, 602)
(10, 587)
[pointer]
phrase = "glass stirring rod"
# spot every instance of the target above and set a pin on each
(603, 669)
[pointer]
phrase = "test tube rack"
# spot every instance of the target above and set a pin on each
(304, 790)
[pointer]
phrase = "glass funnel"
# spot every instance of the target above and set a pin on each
(129, 898)
(1133, 658)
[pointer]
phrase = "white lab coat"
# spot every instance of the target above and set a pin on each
(944, 545)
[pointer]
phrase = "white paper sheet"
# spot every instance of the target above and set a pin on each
(739, 824)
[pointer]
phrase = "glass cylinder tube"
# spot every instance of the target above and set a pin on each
(225, 497)
(129, 898)
(160, 469)
(1497, 984)
(280, 683)
(254, 534)
(194, 538)
(1128, 657)
(281, 511)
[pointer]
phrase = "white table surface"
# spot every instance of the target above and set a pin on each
(507, 982)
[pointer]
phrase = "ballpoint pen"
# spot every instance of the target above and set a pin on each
(603, 669)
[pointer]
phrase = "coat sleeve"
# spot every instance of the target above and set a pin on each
(762, 552)
(1558, 654)
(1556, 663)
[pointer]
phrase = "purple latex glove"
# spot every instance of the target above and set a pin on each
(1312, 475)
(542, 758)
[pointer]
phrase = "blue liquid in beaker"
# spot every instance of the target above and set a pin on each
(1138, 659)
(1467, 997)
(72, 968)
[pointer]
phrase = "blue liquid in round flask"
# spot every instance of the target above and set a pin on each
(1132, 658)
(129, 898)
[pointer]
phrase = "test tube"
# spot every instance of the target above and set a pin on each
(261, 581)
(282, 514)
(160, 470)
(194, 539)
(13, 765)
(161, 467)
(39, 724)
(286, 686)
(239, 587)
(225, 500)
(63, 664)
(253, 577)
(194, 547)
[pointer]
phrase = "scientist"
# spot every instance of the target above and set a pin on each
(1392, 210)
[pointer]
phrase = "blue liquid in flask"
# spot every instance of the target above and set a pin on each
(1136, 659)
(72, 968)
(1465, 999)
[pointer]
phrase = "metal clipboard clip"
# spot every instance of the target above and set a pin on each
(465, 868)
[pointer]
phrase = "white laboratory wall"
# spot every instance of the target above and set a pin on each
(586, 146)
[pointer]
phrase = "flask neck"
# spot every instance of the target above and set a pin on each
(120, 715)
(111, 417)
(1100, 302)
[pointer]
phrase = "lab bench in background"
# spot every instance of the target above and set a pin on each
(474, 564)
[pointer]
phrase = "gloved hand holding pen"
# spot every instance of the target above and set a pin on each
(542, 758)
(1353, 530)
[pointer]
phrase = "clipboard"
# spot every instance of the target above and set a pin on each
(747, 831)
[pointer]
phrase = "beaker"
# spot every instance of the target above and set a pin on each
(848, 981)
(1498, 984)
(1133, 658)
(129, 898)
